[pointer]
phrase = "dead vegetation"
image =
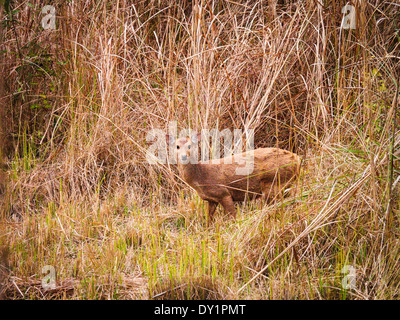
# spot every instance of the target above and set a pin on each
(77, 193)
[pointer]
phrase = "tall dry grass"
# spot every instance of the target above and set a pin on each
(82, 198)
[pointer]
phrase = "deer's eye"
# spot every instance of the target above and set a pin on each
(177, 147)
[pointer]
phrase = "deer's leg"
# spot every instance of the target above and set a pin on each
(268, 192)
(229, 206)
(273, 192)
(211, 209)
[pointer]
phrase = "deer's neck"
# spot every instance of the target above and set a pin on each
(189, 171)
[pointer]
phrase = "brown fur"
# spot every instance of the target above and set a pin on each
(217, 181)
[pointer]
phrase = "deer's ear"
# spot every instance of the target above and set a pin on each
(170, 139)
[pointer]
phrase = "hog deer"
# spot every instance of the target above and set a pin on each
(218, 182)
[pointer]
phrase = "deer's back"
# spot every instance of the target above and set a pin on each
(215, 178)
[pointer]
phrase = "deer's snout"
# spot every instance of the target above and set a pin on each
(184, 157)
